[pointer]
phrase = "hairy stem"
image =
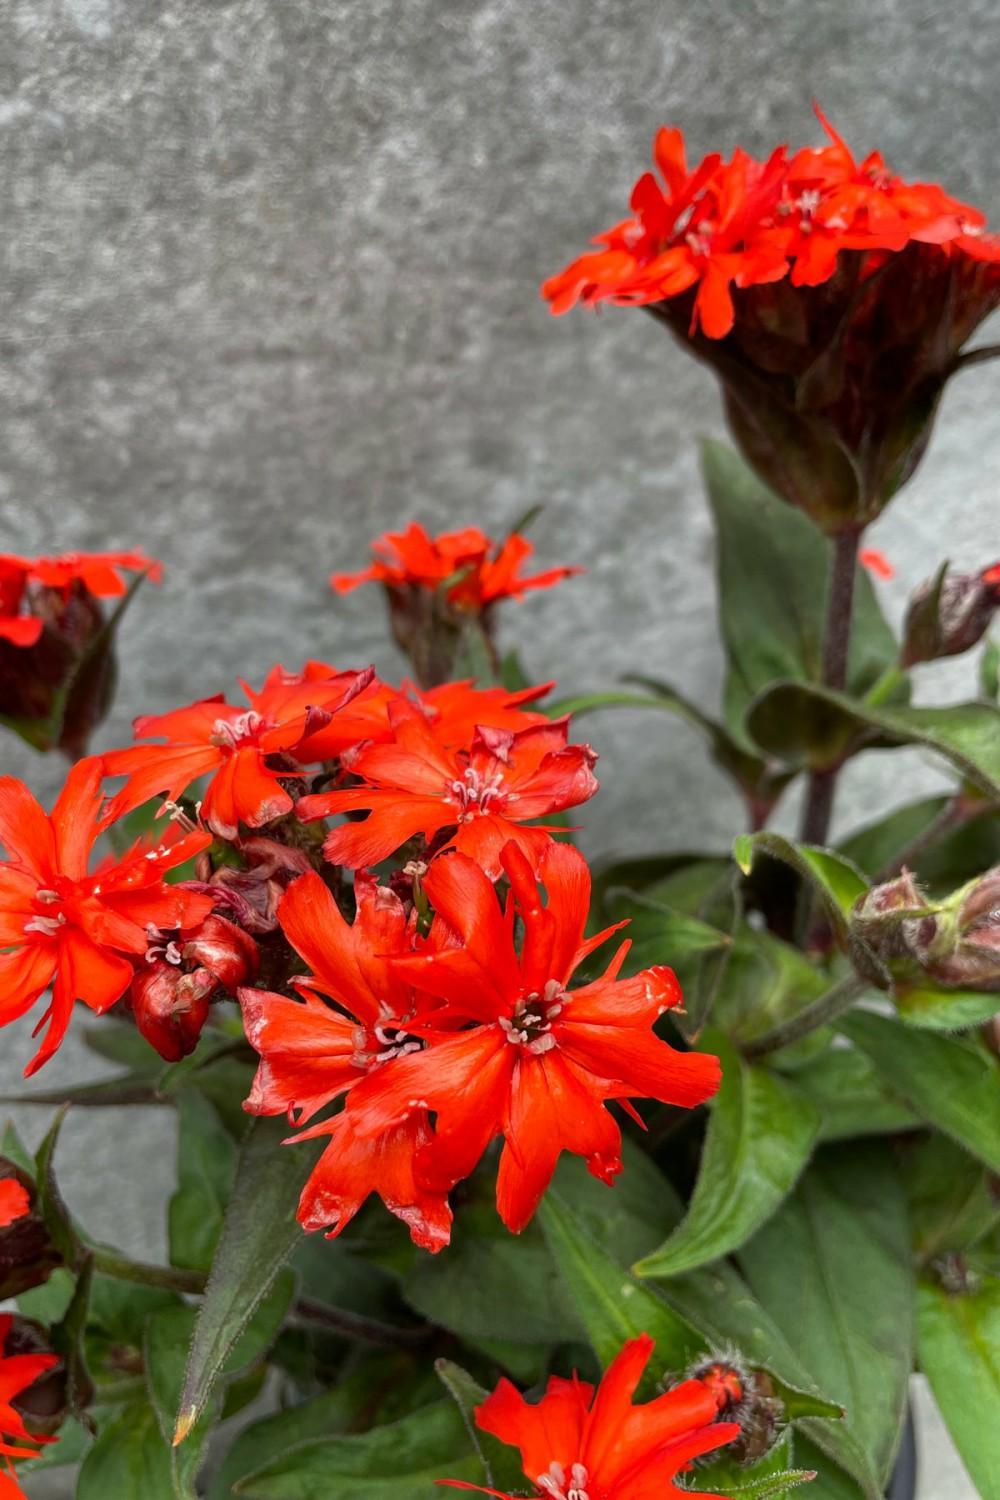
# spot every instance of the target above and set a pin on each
(820, 1013)
(306, 1310)
(836, 648)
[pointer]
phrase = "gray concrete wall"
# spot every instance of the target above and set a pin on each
(270, 285)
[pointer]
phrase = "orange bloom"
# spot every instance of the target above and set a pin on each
(582, 1443)
(15, 1201)
(487, 791)
(534, 1062)
(483, 570)
(58, 923)
(245, 750)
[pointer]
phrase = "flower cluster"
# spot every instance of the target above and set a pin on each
(830, 297)
(585, 1443)
(745, 222)
(467, 566)
(438, 1011)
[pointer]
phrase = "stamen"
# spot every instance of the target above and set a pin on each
(47, 926)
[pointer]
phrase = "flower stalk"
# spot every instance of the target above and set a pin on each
(836, 651)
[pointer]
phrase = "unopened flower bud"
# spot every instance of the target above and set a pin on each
(27, 1255)
(225, 950)
(745, 1396)
(949, 614)
(894, 919)
(171, 1007)
(965, 953)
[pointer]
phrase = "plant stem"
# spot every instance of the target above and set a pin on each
(836, 648)
(950, 816)
(820, 1013)
(884, 686)
(193, 1283)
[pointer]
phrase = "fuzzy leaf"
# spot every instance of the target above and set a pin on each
(959, 1345)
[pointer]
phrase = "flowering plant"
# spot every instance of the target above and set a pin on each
(495, 1170)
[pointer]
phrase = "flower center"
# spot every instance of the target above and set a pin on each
(230, 734)
(530, 1026)
(47, 923)
(391, 1040)
(161, 947)
(475, 792)
(555, 1484)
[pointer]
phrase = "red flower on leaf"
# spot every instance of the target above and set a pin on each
(15, 1201)
(311, 1054)
(97, 572)
(487, 791)
(540, 1061)
(59, 923)
(17, 1373)
(245, 750)
(582, 1443)
(483, 570)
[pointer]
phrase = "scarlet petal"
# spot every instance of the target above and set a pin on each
(317, 931)
(352, 1167)
(25, 831)
(15, 1201)
(392, 821)
(640, 1065)
(305, 1053)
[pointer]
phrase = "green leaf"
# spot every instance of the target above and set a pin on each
(128, 1458)
(776, 631)
(876, 844)
(468, 1289)
(14, 1149)
(952, 1202)
(350, 1404)
(206, 1163)
(851, 1096)
(944, 1010)
(68, 1342)
(611, 1304)
(760, 1135)
(49, 1204)
(837, 882)
(959, 1346)
(258, 1235)
(811, 725)
(501, 1463)
(766, 981)
(168, 1337)
(954, 1084)
(833, 1268)
(404, 1458)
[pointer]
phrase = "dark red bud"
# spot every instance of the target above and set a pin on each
(949, 614)
(27, 1255)
(171, 1007)
(69, 664)
(225, 950)
(44, 1404)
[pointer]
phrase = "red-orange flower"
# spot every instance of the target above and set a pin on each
(487, 791)
(58, 923)
(17, 1373)
(97, 572)
(483, 570)
(582, 1443)
(310, 1054)
(540, 1061)
(245, 750)
(831, 298)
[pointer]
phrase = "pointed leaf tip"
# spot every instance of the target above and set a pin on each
(185, 1422)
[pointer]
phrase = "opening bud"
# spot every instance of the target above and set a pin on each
(27, 1255)
(949, 614)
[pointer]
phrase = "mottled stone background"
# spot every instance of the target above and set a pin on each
(270, 285)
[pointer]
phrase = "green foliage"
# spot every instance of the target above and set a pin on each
(760, 1136)
(959, 1349)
